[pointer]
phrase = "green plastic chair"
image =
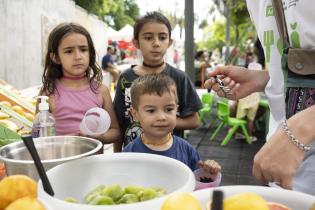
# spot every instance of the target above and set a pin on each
(223, 113)
(205, 111)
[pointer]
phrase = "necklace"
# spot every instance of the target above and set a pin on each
(153, 66)
(164, 141)
(73, 78)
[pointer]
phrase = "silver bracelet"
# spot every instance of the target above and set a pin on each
(292, 138)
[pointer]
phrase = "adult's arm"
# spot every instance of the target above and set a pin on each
(279, 159)
(190, 122)
(241, 81)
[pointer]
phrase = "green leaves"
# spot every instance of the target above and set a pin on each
(241, 28)
(116, 13)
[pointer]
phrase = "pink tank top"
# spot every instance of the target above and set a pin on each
(71, 105)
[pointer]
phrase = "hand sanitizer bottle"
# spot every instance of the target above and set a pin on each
(44, 121)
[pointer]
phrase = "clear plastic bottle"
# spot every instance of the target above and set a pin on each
(44, 121)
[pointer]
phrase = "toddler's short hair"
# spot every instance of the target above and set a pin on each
(152, 84)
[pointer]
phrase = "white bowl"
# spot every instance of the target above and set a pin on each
(291, 199)
(77, 178)
(45, 204)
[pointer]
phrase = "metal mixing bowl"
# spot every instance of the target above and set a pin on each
(52, 150)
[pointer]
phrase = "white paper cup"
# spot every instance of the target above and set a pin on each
(96, 121)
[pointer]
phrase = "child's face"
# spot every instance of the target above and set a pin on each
(153, 42)
(156, 114)
(74, 55)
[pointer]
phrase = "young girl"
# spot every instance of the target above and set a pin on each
(73, 81)
(154, 105)
(152, 36)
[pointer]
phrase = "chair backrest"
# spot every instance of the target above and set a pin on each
(223, 110)
(207, 99)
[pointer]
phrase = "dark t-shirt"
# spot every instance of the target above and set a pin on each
(188, 101)
(180, 150)
(107, 59)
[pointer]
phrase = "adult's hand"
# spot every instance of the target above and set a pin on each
(279, 159)
(239, 80)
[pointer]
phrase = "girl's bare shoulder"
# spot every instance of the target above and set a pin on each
(103, 89)
(104, 94)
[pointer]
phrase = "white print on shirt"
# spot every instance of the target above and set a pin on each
(134, 129)
(127, 102)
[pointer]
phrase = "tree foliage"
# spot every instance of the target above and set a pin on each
(215, 36)
(239, 16)
(116, 13)
(241, 27)
(175, 20)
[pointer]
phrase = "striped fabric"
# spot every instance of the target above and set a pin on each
(298, 99)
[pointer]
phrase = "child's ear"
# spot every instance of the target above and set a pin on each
(134, 114)
(136, 43)
(54, 58)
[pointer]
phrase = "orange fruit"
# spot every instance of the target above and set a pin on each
(181, 201)
(245, 201)
(15, 187)
(2, 171)
(255, 202)
(25, 203)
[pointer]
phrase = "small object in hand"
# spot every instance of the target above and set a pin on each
(205, 179)
(225, 90)
(219, 81)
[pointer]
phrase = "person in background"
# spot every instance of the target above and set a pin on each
(249, 58)
(247, 107)
(152, 36)
(154, 106)
(259, 52)
(108, 64)
(73, 81)
(123, 55)
(201, 63)
(176, 58)
(288, 157)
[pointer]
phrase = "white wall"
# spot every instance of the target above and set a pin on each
(24, 28)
